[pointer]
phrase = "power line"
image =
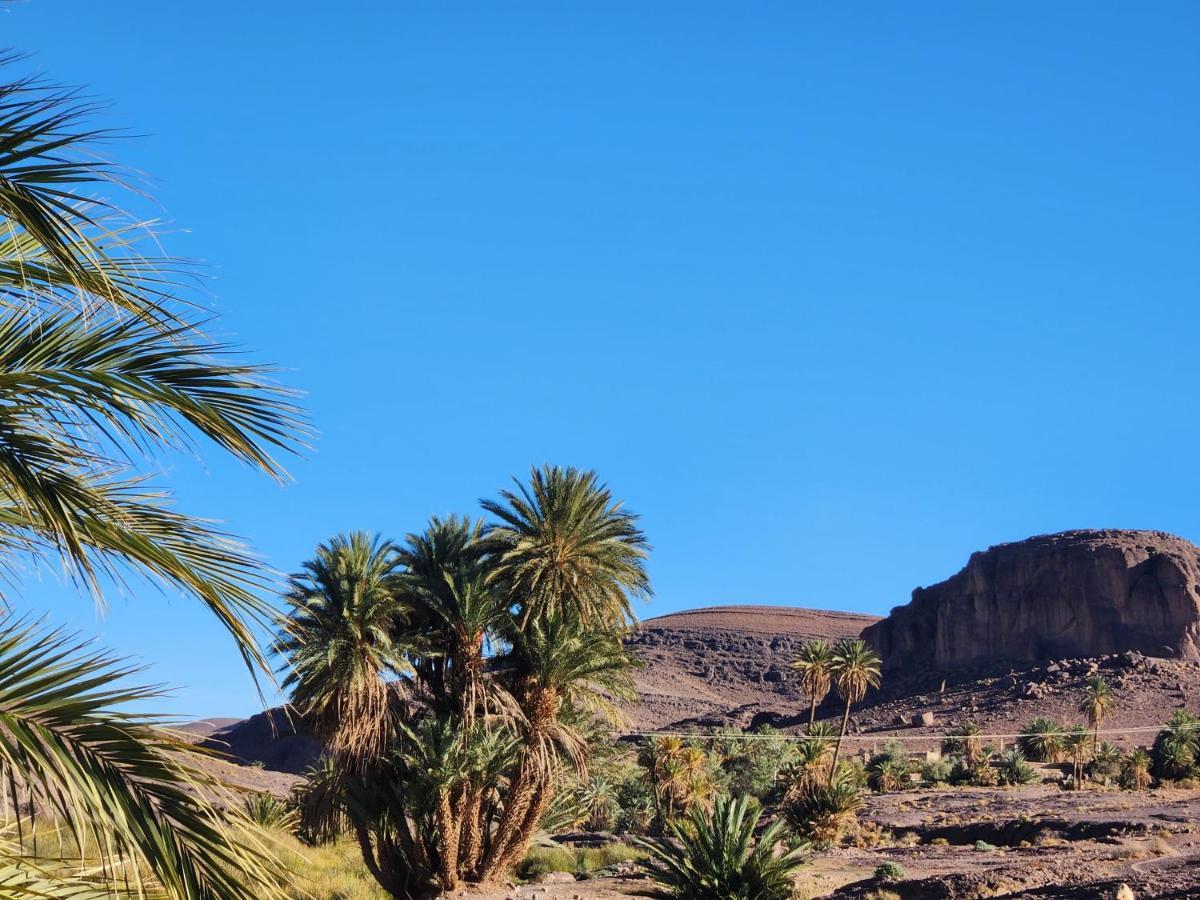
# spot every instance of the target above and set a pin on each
(749, 736)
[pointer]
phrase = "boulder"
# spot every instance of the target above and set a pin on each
(1077, 594)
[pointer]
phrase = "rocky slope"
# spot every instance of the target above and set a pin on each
(726, 664)
(1074, 594)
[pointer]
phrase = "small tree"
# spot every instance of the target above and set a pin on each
(1097, 702)
(814, 662)
(1077, 742)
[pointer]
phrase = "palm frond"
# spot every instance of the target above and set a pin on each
(112, 779)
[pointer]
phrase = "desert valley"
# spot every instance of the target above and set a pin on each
(1013, 637)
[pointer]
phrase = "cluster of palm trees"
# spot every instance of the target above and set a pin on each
(455, 676)
(849, 666)
(103, 367)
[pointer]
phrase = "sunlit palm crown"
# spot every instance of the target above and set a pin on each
(561, 543)
(341, 640)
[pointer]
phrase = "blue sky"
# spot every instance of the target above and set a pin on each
(832, 294)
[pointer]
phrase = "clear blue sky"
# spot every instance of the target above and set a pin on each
(832, 294)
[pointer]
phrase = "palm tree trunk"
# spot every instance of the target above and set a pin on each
(837, 748)
(520, 795)
(471, 838)
(812, 713)
(524, 834)
(447, 841)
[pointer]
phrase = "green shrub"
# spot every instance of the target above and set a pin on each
(984, 847)
(938, 771)
(889, 871)
(1011, 769)
(541, 860)
(889, 770)
(270, 811)
(819, 812)
(1041, 740)
(1177, 747)
(714, 855)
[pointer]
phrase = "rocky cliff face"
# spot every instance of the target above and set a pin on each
(1074, 594)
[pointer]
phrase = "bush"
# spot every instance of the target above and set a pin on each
(715, 855)
(1041, 740)
(270, 811)
(984, 847)
(939, 771)
(1011, 769)
(1105, 766)
(889, 871)
(1177, 747)
(889, 770)
(819, 812)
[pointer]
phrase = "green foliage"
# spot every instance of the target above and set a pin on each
(541, 860)
(965, 742)
(938, 771)
(510, 634)
(984, 847)
(1012, 769)
(1106, 763)
(752, 765)
(716, 857)
(1176, 750)
(269, 811)
(1135, 770)
(1041, 740)
(820, 811)
(889, 871)
(890, 769)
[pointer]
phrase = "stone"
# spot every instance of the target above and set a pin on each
(923, 720)
(1073, 595)
(557, 878)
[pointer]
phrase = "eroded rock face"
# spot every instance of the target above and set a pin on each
(1073, 594)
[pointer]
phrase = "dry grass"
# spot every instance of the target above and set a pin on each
(333, 872)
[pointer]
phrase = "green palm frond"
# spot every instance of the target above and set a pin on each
(563, 545)
(112, 779)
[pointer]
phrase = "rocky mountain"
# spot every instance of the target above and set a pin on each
(1073, 594)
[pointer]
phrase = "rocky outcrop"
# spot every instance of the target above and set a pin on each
(1074, 594)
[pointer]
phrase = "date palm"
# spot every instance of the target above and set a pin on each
(855, 669)
(1097, 702)
(1077, 744)
(562, 544)
(341, 642)
(813, 662)
(102, 368)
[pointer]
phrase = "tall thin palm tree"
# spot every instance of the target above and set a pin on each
(813, 662)
(1097, 702)
(103, 367)
(1077, 743)
(342, 644)
(855, 669)
(562, 544)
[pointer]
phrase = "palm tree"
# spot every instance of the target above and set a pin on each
(563, 545)
(964, 741)
(813, 663)
(1077, 742)
(1135, 770)
(855, 670)
(102, 368)
(340, 643)
(556, 665)
(1096, 703)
